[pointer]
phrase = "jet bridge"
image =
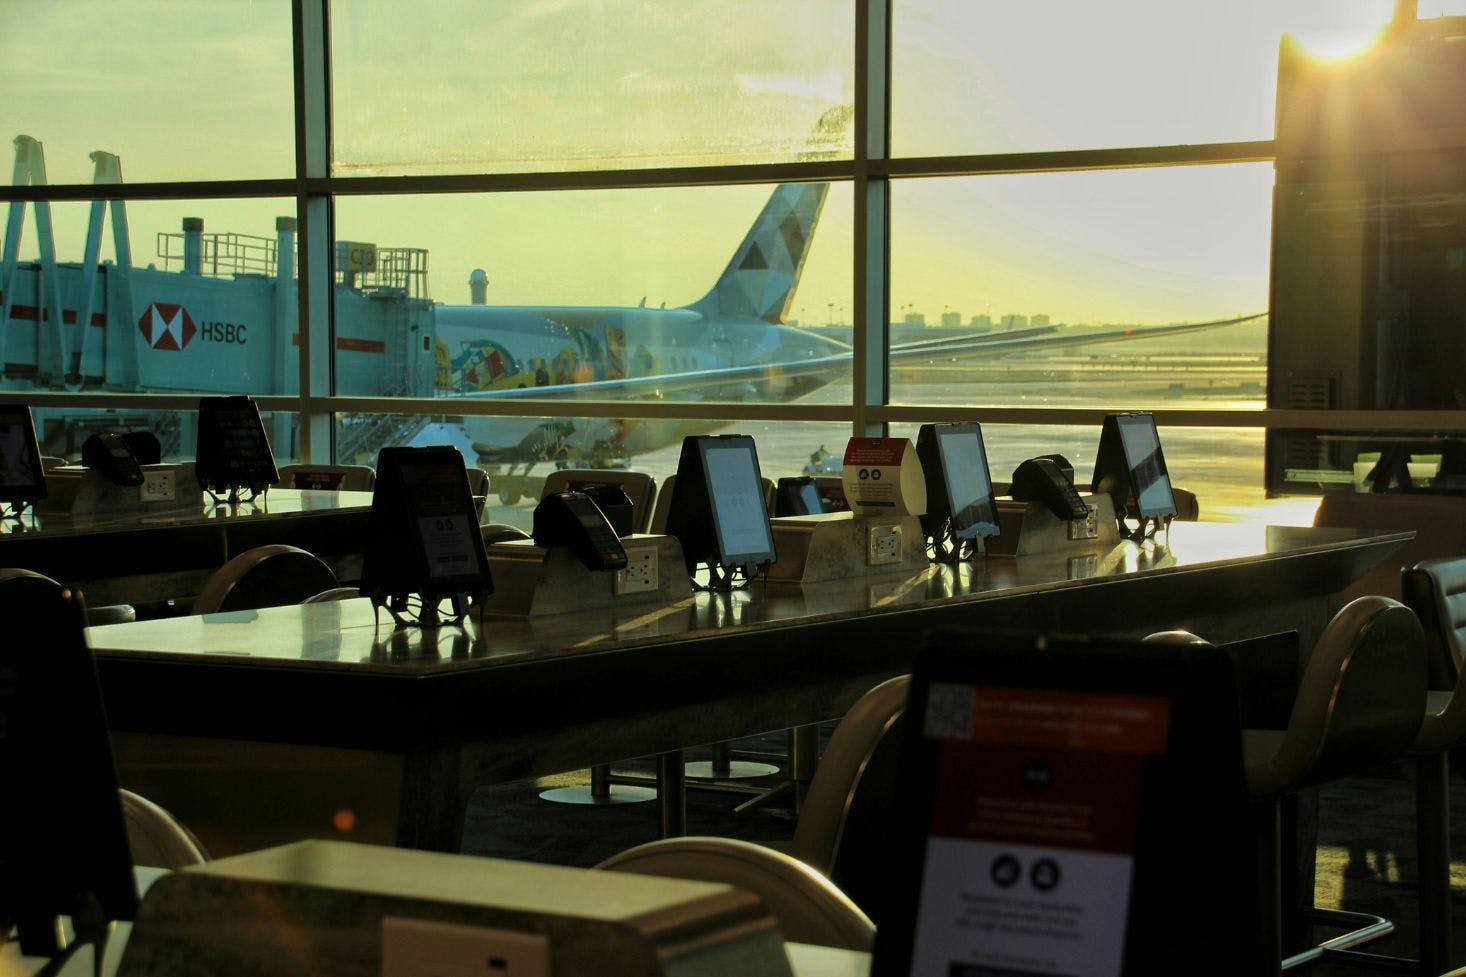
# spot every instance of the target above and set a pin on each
(217, 313)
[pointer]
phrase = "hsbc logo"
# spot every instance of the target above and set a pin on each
(166, 326)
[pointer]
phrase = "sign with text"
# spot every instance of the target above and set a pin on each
(883, 477)
(1031, 851)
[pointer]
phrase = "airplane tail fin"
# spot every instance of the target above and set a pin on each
(760, 279)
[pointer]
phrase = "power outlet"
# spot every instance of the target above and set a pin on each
(640, 574)
(883, 545)
(424, 948)
(1086, 528)
(158, 487)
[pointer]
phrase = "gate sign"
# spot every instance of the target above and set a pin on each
(166, 326)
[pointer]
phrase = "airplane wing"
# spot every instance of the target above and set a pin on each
(728, 383)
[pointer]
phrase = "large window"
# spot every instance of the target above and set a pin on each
(462, 87)
(546, 232)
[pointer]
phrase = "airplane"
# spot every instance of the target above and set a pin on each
(228, 325)
(732, 345)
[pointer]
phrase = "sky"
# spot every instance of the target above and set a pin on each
(201, 89)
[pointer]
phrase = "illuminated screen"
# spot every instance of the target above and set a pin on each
(1148, 476)
(969, 486)
(736, 492)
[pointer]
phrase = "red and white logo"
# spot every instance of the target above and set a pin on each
(166, 326)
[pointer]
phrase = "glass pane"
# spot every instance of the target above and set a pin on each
(182, 90)
(1313, 462)
(60, 431)
(616, 295)
(516, 478)
(1067, 289)
(462, 86)
(179, 296)
(1021, 77)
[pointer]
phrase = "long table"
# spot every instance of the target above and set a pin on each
(383, 734)
(143, 557)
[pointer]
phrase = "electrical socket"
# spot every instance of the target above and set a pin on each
(883, 545)
(640, 574)
(1086, 528)
(426, 948)
(157, 487)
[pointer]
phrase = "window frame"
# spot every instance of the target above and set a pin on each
(871, 171)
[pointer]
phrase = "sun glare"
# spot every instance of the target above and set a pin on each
(1336, 43)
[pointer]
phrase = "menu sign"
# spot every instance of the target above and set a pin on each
(1030, 855)
(883, 476)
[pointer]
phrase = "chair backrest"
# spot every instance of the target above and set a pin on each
(809, 907)
(1436, 591)
(335, 478)
(157, 839)
(1187, 508)
(478, 490)
(334, 593)
(1362, 696)
(639, 487)
(266, 576)
(501, 532)
(841, 806)
(101, 614)
(658, 522)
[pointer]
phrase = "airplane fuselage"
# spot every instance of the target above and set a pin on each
(490, 349)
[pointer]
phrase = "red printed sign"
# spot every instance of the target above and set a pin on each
(875, 452)
(1037, 797)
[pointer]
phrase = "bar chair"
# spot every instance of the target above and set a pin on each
(265, 576)
(1436, 591)
(155, 837)
(817, 887)
(1358, 705)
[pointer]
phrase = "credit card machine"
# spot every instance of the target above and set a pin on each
(573, 520)
(112, 455)
(1042, 480)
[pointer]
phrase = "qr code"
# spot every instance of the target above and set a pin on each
(949, 711)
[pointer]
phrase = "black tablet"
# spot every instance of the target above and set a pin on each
(424, 535)
(63, 844)
(233, 452)
(959, 486)
(1131, 467)
(22, 478)
(718, 511)
(1054, 794)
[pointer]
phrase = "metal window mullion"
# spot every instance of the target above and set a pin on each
(870, 362)
(311, 35)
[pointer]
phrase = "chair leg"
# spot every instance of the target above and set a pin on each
(671, 795)
(600, 792)
(723, 766)
(1433, 856)
(1267, 847)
